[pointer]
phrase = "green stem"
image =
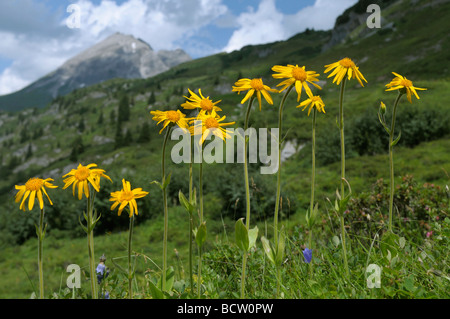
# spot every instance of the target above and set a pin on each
(40, 254)
(244, 265)
(341, 129)
(278, 195)
(199, 280)
(166, 213)
(313, 159)
(277, 199)
(247, 187)
(391, 161)
(313, 178)
(191, 195)
(130, 273)
(200, 186)
(344, 248)
(247, 192)
(90, 236)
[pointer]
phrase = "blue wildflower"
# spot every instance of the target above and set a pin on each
(307, 253)
(101, 270)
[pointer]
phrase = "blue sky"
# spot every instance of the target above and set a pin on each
(36, 38)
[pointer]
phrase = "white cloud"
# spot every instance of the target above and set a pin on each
(9, 81)
(161, 23)
(36, 38)
(261, 26)
(267, 24)
(39, 41)
(320, 16)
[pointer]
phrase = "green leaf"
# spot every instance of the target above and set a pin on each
(170, 278)
(336, 206)
(381, 119)
(280, 249)
(336, 241)
(397, 139)
(183, 200)
(96, 220)
(401, 242)
(157, 183)
(200, 234)
(194, 197)
(155, 291)
(409, 284)
(241, 235)
(252, 236)
(311, 218)
(82, 226)
(340, 204)
(166, 181)
(268, 249)
(389, 245)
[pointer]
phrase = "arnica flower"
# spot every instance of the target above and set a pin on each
(204, 104)
(254, 85)
(210, 124)
(297, 75)
(402, 83)
(307, 253)
(313, 101)
(82, 176)
(125, 197)
(170, 117)
(342, 68)
(33, 188)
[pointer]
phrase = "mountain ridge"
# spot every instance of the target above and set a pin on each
(117, 56)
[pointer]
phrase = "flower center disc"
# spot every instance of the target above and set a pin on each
(315, 99)
(211, 123)
(406, 83)
(257, 84)
(347, 63)
(173, 116)
(33, 184)
(127, 195)
(206, 104)
(299, 74)
(82, 173)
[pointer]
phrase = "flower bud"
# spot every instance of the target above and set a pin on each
(382, 108)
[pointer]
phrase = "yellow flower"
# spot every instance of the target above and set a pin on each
(402, 83)
(204, 104)
(297, 75)
(210, 124)
(170, 117)
(125, 197)
(254, 85)
(82, 176)
(342, 68)
(313, 101)
(34, 187)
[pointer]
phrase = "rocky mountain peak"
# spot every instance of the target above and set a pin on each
(117, 56)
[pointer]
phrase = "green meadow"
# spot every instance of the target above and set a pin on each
(110, 124)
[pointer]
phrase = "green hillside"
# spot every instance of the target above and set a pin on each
(92, 125)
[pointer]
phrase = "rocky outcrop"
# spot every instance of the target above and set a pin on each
(352, 23)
